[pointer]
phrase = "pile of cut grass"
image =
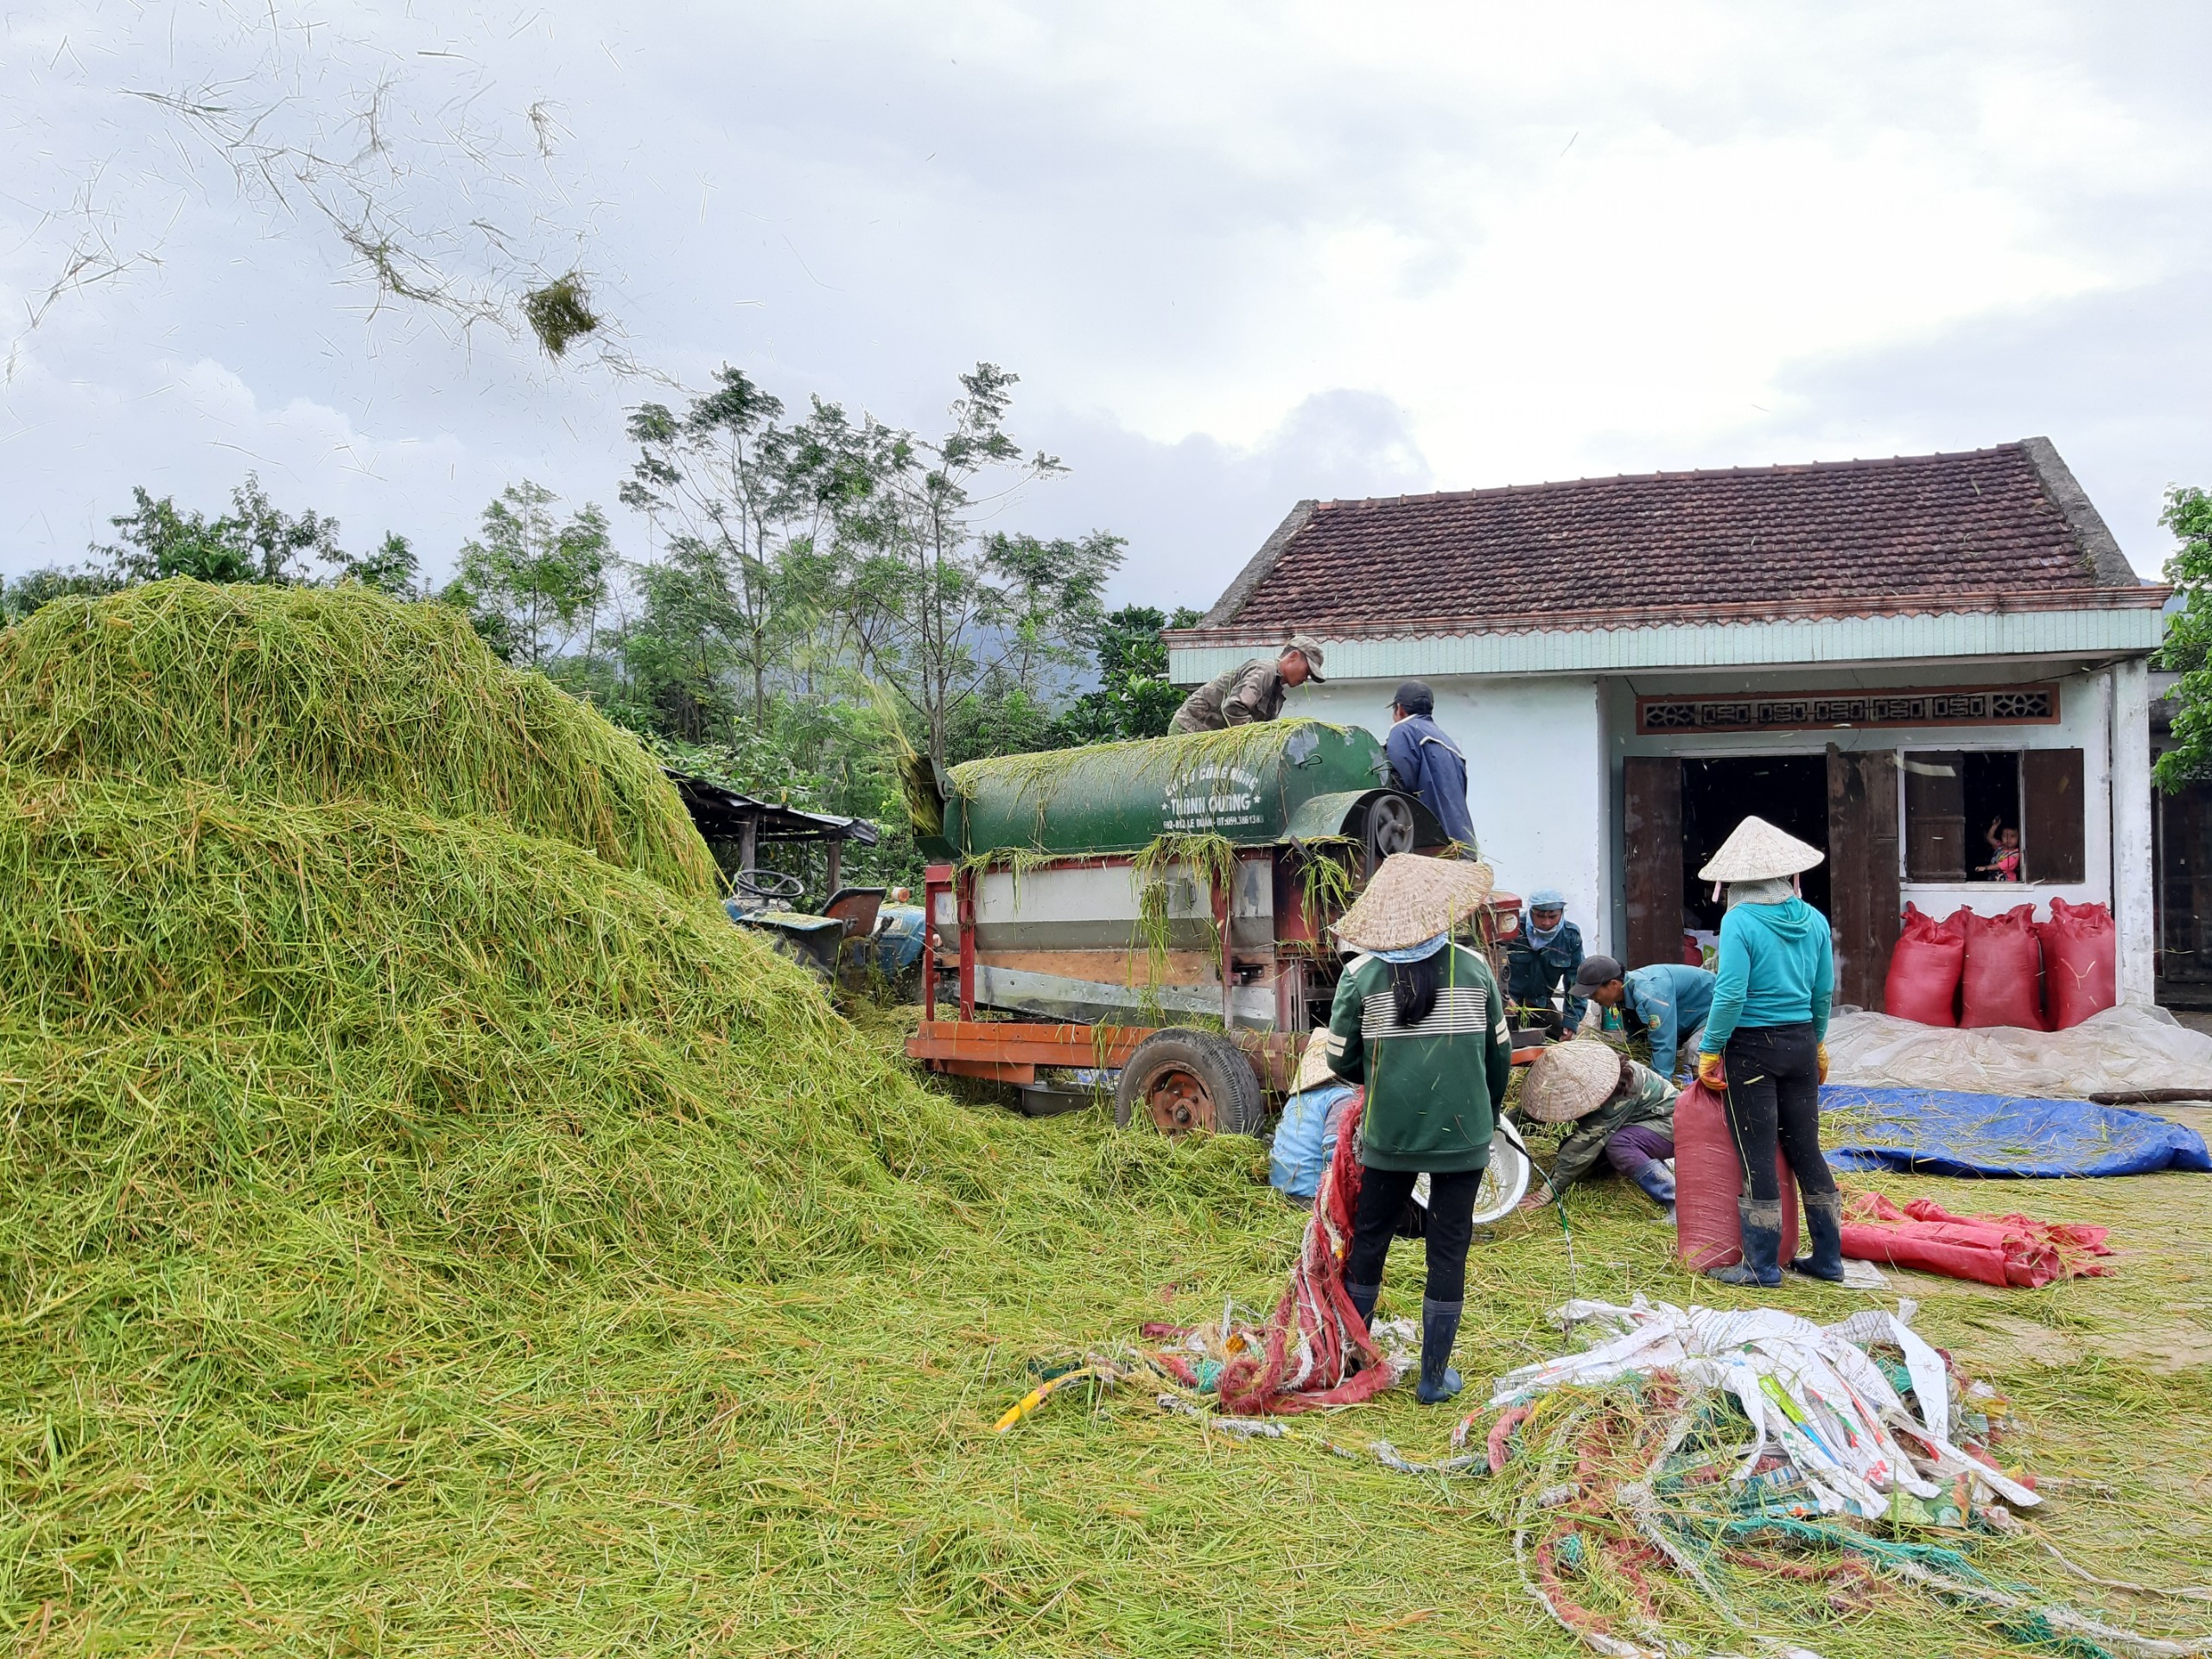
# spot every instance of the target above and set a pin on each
(311, 695)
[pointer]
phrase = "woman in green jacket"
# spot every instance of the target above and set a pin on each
(1420, 1021)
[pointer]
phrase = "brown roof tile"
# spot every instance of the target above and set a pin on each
(1832, 537)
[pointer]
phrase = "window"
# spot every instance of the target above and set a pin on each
(1993, 815)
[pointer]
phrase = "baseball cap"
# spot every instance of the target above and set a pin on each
(1596, 971)
(1306, 646)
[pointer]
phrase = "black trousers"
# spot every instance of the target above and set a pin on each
(1383, 1195)
(1774, 1094)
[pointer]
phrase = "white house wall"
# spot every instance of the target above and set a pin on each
(1536, 776)
(1544, 760)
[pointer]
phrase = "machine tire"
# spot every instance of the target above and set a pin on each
(1191, 1079)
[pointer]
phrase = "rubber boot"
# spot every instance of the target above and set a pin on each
(1657, 1184)
(1439, 1329)
(1362, 1299)
(1762, 1243)
(1824, 1222)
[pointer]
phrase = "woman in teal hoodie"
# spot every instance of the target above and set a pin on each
(1765, 1047)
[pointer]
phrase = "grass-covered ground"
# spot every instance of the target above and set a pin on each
(427, 1226)
(808, 1466)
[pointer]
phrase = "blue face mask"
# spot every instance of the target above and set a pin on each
(1541, 937)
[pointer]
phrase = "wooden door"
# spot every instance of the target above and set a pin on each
(1863, 869)
(1651, 854)
(1936, 814)
(2052, 823)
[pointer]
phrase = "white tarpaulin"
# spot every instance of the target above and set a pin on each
(2120, 1049)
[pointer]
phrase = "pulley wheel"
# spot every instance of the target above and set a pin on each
(1389, 828)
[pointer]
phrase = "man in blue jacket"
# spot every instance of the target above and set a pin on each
(1543, 959)
(1668, 1003)
(1424, 762)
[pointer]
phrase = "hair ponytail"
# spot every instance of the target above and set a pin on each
(1412, 987)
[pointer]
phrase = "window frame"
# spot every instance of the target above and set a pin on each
(1905, 877)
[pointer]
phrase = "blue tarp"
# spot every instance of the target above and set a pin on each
(1939, 1132)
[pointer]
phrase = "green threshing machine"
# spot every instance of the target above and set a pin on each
(1160, 909)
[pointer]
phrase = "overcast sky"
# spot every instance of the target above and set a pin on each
(1238, 254)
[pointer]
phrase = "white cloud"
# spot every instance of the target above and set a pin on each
(1239, 253)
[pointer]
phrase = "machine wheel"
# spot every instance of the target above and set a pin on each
(1188, 1080)
(1390, 828)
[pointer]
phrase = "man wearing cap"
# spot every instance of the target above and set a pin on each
(1622, 1113)
(1424, 762)
(1250, 691)
(1667, 1002)
(1542, 960)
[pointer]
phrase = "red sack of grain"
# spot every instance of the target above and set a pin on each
(1708, 1179)
(2002, 984)
(2080, 962)
(1924, 968)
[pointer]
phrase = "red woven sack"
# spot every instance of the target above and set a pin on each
(2080, 962)
(1924, 968)
(1708, 1179)
(2013, 1249)
(2002, 982)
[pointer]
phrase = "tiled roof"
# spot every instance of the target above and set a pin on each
(1979, 530)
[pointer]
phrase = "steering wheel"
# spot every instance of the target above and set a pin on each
(769, 884)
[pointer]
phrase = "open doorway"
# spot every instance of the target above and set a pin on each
(1791, 791)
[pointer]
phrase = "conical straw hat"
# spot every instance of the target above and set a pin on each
(1411, 899)
(1759, 852)
(1313, 1065)
(1570, 1080)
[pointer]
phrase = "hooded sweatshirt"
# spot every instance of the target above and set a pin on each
(1777, 968)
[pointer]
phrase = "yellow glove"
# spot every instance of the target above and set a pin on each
(1709, 1072)
(1821, 1057)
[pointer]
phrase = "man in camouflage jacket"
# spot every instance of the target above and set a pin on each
(1250, 691)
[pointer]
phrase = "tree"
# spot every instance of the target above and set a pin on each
(2189, 639)
(934, 610)
(21, 597)
(390, 569)
(533, 583)
(255, 541)
(1134, 697)
(744, 501)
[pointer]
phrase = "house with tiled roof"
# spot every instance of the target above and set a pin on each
(1889, 658)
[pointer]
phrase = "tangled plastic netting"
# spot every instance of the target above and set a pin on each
(1774, 1470)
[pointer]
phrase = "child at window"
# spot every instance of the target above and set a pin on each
(2004, 842)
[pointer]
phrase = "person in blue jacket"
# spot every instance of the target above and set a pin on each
(1424, 762)
(1765, 1047)
(1543, 959)
(1668, 1003)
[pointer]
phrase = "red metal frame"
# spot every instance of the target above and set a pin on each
(1011, 1050)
